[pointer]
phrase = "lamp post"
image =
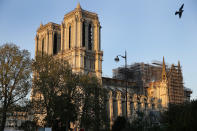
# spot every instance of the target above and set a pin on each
(117, 60)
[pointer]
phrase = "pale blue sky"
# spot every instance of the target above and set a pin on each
(147, 29)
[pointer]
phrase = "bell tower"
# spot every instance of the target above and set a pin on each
(47, 40)
(80, 41)
(76, 40)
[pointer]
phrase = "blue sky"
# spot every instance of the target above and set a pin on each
(147, 29)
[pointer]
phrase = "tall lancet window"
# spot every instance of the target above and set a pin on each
(83, 34)
(42, 46)
(69, 43)
(55, 44)
(90, 37)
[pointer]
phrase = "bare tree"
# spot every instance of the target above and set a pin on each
(15, 78)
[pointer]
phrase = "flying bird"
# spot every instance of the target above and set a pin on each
(180, 11)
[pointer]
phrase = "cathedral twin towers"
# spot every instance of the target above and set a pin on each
(76, 40)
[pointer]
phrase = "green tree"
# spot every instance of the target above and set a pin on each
(181, 117)
(15, 78)
(56, 91)
(119, 124)
(94, 112)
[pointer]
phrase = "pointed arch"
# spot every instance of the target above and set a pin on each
(55, 44)
(42, 46)
(69, 43)
(90, 36)
(83, 34)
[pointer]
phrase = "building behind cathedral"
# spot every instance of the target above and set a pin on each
(151, 87)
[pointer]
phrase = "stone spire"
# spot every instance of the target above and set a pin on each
(78, 6)
(41, 24)
(180, 71)
(164, 71)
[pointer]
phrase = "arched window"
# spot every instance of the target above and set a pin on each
(90, 37)
(69, 37)
(115, 108)
(85, 64)
(55, 44)
(42, 46)
(123, 108)
(83, 34)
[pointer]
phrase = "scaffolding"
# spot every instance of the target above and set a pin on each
(143, 74)
(175, 85)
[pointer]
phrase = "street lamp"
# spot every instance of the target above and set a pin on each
(117, 60)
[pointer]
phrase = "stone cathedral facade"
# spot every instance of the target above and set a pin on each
(78, 40)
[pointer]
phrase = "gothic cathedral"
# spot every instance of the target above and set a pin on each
(78, 40)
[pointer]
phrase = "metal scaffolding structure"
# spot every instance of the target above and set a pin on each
(143, 74)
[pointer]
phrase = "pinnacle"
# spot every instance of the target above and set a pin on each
(78, 6)
(41, 24)
(164, 70)
(163, 61)
(178, 63)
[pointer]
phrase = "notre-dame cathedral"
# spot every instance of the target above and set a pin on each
(78, 40)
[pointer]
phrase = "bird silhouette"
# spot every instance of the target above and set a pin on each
(180, 11)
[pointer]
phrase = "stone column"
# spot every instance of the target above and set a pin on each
(66, 37)
(79, 32)
(96, 65)
(36, 44)
(74, 43)
(96, 35)
(111, 108)
(79, 42)
(47, 42)
(128, 105)
(39, 45)
(50, 43)
(119, 103)
(75, 34)
(62, 37)
(95, 45)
